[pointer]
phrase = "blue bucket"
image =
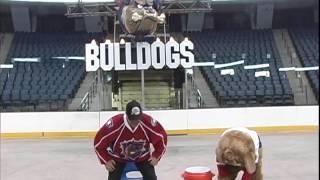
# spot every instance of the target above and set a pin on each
(131, 172)
(134, 175)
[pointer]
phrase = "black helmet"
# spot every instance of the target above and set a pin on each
(133, 110)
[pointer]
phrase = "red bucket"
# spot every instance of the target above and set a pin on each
(198, 173)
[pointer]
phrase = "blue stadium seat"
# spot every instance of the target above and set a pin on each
(229, 47)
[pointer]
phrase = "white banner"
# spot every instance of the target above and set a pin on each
(257, 66)
(315, 68)
(217, 66)
(6, 66)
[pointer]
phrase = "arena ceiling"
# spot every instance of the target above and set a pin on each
(80, 8)
(175, 6)
(109, 9)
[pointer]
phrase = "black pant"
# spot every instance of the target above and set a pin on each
(146, 169)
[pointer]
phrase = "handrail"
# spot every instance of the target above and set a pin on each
(90, 94)
(84, 104)
(197, 92)
(199, 98)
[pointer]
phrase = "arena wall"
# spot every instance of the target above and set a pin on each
(191, 121)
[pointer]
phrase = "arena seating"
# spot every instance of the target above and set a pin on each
(243, 88)
(48, 45)
(50, 83)
(306, 42)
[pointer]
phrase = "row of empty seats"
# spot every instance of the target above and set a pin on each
(51, 83)
(47, 82)
(48, 45)
(243, 88)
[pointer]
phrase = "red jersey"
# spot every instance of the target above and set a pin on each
(117, 140)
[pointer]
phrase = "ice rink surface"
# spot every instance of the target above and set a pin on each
(286, 156)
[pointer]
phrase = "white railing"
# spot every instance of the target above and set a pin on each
(84, 104)
(199, 99)
(90, 94)
(197, 93)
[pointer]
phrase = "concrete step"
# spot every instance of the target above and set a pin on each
(201, 84)
(84, 88)
(155, 93)
(192, 95)
(5, 46)
(103, 99)
(300, 85)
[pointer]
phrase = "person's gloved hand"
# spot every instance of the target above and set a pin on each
(153, 161)
(110, 165)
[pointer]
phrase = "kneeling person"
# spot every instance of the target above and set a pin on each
(127, 138)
